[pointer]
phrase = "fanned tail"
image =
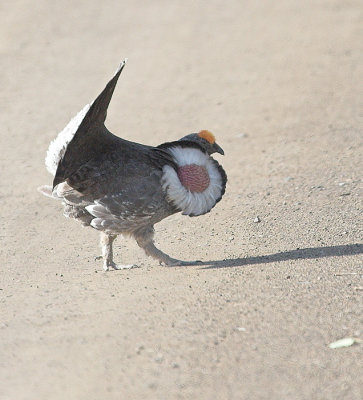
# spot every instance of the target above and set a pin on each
(87, 133)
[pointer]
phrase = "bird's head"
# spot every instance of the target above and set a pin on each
(205, 139)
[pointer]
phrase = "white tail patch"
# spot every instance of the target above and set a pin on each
(192, 203)
(59, 145)
(66, 191)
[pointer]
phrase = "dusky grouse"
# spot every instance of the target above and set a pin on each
(121, 187)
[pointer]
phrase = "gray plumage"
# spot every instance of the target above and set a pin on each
(121, 187)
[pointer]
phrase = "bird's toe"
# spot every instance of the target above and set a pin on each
(175, 263)
(127, 266)
(111, 265)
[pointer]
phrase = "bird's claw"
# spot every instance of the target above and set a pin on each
(111, 265)
(179, 263)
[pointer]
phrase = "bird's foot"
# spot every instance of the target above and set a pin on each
(107, 266)
(173, 262)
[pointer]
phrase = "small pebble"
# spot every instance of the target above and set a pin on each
(159, 358)
(139, 349)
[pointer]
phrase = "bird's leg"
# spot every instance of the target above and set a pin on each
(106, 242)
(145, 240)
(107, 253)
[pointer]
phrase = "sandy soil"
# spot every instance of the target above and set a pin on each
(278, 83)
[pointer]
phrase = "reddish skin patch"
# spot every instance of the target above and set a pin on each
(194, 177)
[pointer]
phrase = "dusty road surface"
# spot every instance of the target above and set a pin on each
(279, 85)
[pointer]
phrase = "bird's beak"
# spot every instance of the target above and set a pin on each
(218, 149)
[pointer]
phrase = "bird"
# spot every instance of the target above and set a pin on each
(120, 187)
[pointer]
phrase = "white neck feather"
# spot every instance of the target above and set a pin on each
(192, 203)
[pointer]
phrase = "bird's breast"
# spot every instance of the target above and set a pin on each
(198, 182)
(194, 177)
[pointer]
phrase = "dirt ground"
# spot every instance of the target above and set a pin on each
(279, 83)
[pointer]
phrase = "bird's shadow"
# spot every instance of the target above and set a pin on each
(303, 254)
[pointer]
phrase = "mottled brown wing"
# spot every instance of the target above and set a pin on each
(125, 192)
(125, 166)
